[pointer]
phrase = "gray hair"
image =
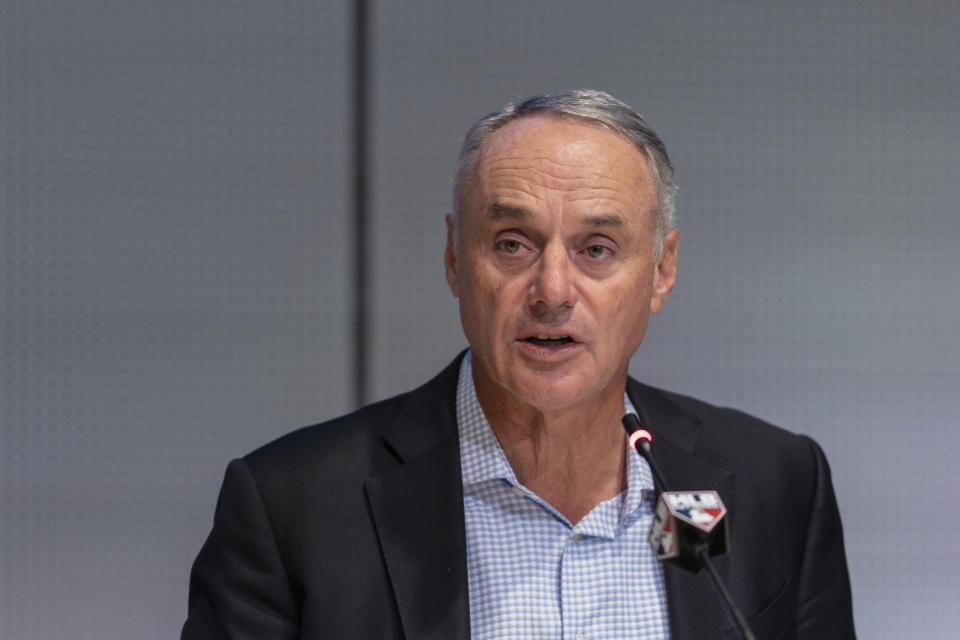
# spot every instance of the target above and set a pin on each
(598, 108)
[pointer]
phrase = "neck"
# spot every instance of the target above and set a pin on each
(574, 457)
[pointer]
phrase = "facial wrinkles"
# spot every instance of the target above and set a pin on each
(576, 182)
(558, 205)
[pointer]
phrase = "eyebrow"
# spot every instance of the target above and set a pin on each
(499, 211)
(611, 220)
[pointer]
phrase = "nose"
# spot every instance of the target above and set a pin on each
(554, 286)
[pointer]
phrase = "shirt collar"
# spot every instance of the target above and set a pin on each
(482, 458)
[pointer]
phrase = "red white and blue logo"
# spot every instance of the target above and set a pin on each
(702, 509)
(678, 514)
(663, 538)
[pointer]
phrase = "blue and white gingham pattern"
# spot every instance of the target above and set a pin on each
(534, 575)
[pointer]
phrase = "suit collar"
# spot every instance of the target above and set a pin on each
(678, 437)
(427, 417)
(418, 512)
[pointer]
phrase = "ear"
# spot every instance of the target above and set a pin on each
(665, 275)
(450, 260)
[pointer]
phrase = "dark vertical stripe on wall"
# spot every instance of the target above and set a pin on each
(360, 189)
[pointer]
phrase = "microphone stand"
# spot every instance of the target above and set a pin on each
(725, 594)
(640, 440)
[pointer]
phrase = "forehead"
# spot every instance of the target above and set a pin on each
(544, 156)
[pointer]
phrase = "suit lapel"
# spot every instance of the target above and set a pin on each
(696, 610)
(418, 512)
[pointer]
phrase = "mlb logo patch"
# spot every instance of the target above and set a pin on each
(702, 509)
(662, 536)
(685, 525)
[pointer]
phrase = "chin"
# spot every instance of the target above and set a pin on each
(547, 392)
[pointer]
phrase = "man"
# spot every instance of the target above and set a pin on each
(500, 499)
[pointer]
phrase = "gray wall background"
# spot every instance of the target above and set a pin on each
(176, 247)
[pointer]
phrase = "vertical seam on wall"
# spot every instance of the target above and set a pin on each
(360, 200)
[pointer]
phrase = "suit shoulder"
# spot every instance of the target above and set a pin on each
(728, 418)
(726, 432)
(349, 433)
(364, 441)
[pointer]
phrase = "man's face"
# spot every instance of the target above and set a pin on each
(554, 270)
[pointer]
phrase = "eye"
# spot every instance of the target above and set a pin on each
(510, 246)
(598, 251)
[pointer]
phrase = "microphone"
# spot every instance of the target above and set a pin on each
(686, 528)
(641, 441)
(687, 524)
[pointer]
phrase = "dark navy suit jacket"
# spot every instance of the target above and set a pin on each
(354, 528)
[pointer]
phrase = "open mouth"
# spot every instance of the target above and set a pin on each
(547, 341)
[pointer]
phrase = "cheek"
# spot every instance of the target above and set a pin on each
(495, 292)
(496, 307)
(630, 321)
(626, 312)
(480, 305)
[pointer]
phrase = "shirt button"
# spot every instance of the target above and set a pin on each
(581, 637)
(577, 537)
(517, 490)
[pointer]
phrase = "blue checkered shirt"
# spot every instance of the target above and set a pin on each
(531, 573)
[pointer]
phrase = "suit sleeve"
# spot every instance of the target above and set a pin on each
(824, 606)
(238, 586)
